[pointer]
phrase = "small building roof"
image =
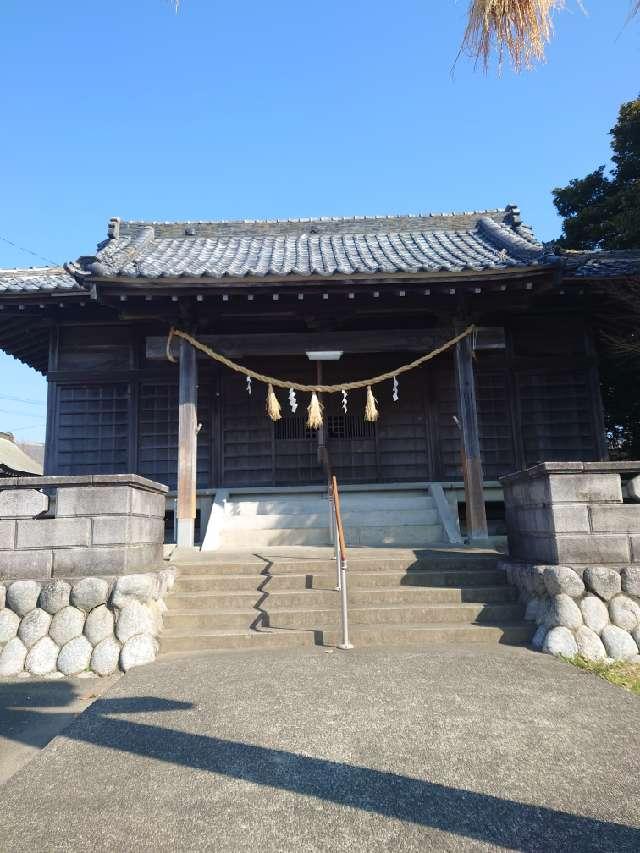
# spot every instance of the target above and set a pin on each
(13, 460)
(604, 264)
(327, 247)
(37, 279)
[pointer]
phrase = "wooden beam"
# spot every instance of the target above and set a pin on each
(187, 445)
(294, 343)
(471, 459)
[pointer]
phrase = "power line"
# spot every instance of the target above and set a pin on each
(29, 252)
(21, 414)
(21, 400)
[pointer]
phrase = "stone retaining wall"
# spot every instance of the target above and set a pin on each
(91, 625)
(574, 555)
(75, 526)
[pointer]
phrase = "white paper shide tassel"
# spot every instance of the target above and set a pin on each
(396, 395)
(249, 385)
(292, 400)
(344, 401)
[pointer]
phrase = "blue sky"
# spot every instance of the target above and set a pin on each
(281, 109)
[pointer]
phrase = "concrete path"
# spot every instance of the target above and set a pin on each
(34, 711)
(314, 750)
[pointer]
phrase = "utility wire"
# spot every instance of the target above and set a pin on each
(22, 415)
(21, 400)
(29, 252)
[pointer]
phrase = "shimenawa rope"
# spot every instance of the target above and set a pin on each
(311, 389)
(315, 408)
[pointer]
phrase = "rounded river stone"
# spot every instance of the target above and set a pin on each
(22, 596)
(603, 581)
(564, 612)
(537, 641)
(134, 619)
(562, 579)
(42, 658)
(99, 624)
(631, 580)
(89, 593)
(131, 588)
(106, 656)
(3, 595)
(12, 657)
(560, 641)
(625, 613)
(589, 644)
(34, 626)
(75, 656)
(9, 622)
(594, 612)
(619, 644)
(55, 596)
(67, 624)
(137, 651)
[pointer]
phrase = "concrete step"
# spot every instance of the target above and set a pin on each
(292, 521)
(349, 501)
(421, 635)
(214, 601)
(282, 536)
(218, 583)
(358, 534)
(221, 620)
(394, 615)
(319, 518)
(327, 580)
(173, 641)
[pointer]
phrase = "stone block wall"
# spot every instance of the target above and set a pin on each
(92, 625)
(75, 526)
(574, 555)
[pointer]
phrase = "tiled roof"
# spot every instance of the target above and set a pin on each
(611, 264)
(13, 460)
(316, 247)
(37, 279)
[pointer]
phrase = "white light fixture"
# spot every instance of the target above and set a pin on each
(324, 355)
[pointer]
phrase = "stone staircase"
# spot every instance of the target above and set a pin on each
(382, 517)
(236, 600)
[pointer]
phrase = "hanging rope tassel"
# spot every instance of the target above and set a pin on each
(371, 410)
(273, 406)
(314, 412)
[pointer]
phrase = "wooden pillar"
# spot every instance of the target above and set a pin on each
(187, 444)
(471, 460)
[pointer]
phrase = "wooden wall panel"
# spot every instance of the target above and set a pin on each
(158, 433)
(92, 429)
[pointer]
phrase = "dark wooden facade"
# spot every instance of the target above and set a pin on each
(113, 410)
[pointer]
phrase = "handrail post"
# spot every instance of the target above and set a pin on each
(336, 536)
(345, 644)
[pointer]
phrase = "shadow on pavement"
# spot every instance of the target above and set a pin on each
(470, 814)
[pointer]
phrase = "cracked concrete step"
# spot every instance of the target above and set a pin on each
(327, 580)
(317, 598)
(172, 641)
(208, 565)
(394, 614)
(517, 633)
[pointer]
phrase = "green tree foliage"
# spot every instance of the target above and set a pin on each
(602, 211)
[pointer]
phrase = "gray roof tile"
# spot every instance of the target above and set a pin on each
(37, 279)
(316, 247)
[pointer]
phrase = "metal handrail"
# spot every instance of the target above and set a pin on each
(333, 494)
